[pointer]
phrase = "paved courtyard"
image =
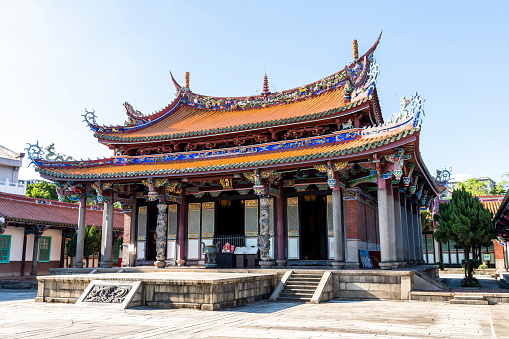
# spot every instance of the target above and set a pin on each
(21, 317)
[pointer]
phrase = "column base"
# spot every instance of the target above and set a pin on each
(160, 264)
(413, 263)
(266, 263)
(181, 262)
(387, 265)
(338, 265)
(78, 264)
(281, 262)
(352, 265)
(106, 264)
(32, 273)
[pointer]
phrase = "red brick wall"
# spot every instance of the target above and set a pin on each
(361, 222)
(499, 250)
(13, 268)
(371, 225)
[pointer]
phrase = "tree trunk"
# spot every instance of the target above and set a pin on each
(468, 266)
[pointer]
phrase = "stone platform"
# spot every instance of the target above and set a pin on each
(215, 289)
(171, 289)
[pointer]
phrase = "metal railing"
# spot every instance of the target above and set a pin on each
(237, 240)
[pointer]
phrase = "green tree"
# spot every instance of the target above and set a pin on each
(500, 187)
(474, 187)
(425, 218)
(70, 245)
(92, 242)
(42, 189)
(465, 221)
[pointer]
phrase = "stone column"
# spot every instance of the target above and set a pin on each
(35, 252)
(182, 231)
(80, 244)
(264, 238)
(438, 250)
(132, 234)
(23, 253)
(411, 236)
(392, 224)
(281, 259)
(398, 229)
(107, 246)
(383, 222)
(161, 235)
(419, 235)
(337, 225)
(415, 230)
(404, 227)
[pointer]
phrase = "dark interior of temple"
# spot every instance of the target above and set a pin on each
(313, 227)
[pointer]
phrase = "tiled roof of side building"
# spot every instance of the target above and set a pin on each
(48, 212)
(345, 149)
(492, 203)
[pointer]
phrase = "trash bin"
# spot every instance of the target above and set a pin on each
(240, 257)
(251, 256)
(224, 260)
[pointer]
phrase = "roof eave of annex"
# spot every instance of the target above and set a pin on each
(350, 108)
(424, 170)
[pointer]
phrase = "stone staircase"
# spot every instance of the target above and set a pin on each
(300, 287)
(468, 299)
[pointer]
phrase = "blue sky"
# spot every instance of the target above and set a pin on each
(59, 57)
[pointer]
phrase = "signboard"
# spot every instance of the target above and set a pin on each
(486, 257)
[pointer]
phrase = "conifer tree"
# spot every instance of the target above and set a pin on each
(465, 221)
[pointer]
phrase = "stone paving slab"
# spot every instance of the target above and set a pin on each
(183, 276)
(23, 318)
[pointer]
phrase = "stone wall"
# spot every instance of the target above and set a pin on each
(374, 285)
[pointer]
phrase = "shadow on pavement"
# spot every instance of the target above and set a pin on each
(12, 295)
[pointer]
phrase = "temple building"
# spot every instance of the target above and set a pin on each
(311, 175)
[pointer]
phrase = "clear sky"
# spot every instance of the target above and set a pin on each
(59, 57)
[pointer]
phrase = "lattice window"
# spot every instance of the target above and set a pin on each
(5, 247)
(44, 249)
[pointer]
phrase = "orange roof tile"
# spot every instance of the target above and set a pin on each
(188, 120)
(492, 203)
(301, 154)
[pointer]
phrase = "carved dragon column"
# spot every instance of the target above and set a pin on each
(261, 190)
(161, 235)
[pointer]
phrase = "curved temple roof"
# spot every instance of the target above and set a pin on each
(191, 114)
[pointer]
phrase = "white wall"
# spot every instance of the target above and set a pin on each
(16, 234)
(56, 241)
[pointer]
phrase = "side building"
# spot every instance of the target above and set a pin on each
(33, 233)
(311, 175)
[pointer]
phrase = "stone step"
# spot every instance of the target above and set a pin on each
(298, 281)
(312, 290)
(314, 275)
(293, 299)
(468, 297)
(285, 292)
(468, 302)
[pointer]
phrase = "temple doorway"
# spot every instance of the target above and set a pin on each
(313, 229)
(230, 217)
(151, 234)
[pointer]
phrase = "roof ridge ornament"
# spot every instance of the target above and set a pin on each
(89, 118)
